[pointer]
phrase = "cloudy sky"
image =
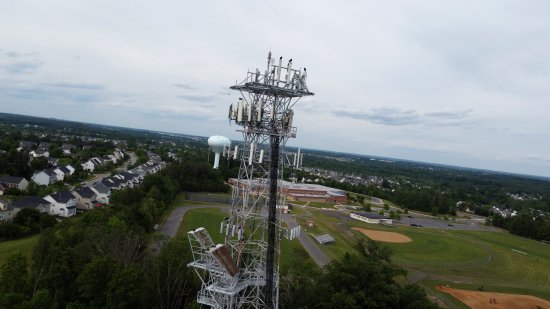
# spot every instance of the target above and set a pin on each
(463, 82)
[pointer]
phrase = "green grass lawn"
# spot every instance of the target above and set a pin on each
(462, 259)
(23, 245)
(210, 218)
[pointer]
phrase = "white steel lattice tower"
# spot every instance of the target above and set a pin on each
(244, 271)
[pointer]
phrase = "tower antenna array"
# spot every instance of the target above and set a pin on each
(244, 271)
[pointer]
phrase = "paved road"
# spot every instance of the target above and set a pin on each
(172, 224)
(311, 247)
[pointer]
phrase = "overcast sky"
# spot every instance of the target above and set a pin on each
(464, 83)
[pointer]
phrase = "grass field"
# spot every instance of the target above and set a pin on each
(210, 218)
(23, 245)
(461, 259)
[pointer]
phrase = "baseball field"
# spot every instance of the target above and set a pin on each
(468, 260)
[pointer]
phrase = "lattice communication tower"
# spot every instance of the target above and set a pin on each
(244, 271)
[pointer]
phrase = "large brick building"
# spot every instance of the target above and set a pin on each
(303, 192)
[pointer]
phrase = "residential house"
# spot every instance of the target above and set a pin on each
(3, 188)
(63, 203)
(44, 146)
(113, 183)
(68, 148)
(85, 198)
(92, 164)
(39, 153)
(70, 168)
(15, 182)
(119, 155)
(111, 158)
(52, 161)
(59, 174)
(103, 193)
(45, 177)
(33, 202)
(131, 179)
(7, 212)
(26, 145)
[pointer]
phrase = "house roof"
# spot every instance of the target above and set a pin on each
(62, 196)
(85, 192)
(49, 171)
(30, 201)
(112, 182)
(11, 179)
(101, 188)
(64, 170)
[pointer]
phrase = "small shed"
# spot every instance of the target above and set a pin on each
(324, 239)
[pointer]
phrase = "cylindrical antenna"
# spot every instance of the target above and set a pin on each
(251, 156)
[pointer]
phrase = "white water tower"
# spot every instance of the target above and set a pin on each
(218, 143)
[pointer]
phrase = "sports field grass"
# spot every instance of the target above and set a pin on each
(462, 259)
(24, 245)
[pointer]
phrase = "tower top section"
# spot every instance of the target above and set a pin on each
(276, 80)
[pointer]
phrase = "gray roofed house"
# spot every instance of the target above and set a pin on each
(65, 170)
(7, 212)
(34, 202)
(27, 145)
(3, 188)
(53, 161)
(14, 182)
(39, 153)
(103, 193)
(114, 183)
(63, 203)
(85, 198)
(44, 177)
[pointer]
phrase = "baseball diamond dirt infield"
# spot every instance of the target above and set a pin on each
(384, 236)
(478, 299)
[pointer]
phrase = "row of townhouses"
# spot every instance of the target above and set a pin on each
(65, 203)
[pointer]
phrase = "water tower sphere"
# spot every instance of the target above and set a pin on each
(217, 143)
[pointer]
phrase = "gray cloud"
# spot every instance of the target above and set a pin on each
(399, 117)
(384, 116)
(22, 67)
(13, 54)
(186, 86)
(41, 93)
(198, 97)
(77, 86)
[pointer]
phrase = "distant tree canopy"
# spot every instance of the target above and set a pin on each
(426, 187)
(526, 224)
